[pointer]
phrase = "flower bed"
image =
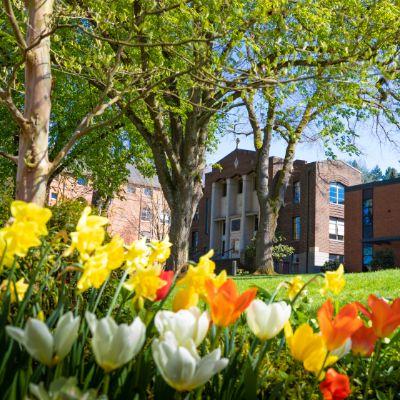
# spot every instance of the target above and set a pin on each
(85, 318)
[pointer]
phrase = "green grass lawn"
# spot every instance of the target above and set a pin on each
(358, 286)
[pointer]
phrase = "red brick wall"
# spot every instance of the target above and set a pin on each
(353, 231)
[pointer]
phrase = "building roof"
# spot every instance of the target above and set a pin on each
(370, 185)
(135, 177)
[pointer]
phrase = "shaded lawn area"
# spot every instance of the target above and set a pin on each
(358, 286)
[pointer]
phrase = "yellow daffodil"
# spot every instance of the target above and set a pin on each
(161, 250)
(197, 276)
(29, 223)
(184, 299)
(31, 212)
(294, 286)
(334, 281)
(20, 237)
(115, 252)
(20, 286)
(309, 348)
(95, 272)
(137, 255)
(145, 282)
(89, 234)
(98, 267)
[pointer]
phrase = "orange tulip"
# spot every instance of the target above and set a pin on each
(385, 317)
(363, 341)
(337, 329)
(225, 302)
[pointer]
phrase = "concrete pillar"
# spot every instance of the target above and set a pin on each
(229, 199)
(244, 229)
(213, 207)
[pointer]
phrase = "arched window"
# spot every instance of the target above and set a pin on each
(336, 193)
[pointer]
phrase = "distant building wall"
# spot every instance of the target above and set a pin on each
(139, 210)
(230, 195)
(372, 222)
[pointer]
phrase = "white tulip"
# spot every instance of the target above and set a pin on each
(267, 320)
(180, 368)
(41, 344)
(189, 327)
(343, 350)
(114, 345)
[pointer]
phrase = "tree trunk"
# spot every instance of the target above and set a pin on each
(268, 216)
(33, 161)
(265, 239)
(183, 208)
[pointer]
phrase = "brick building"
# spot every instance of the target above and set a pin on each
(138, 210)
(312, 220)
(372, 216)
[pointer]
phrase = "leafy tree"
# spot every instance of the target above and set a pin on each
(376, 174)
(390, 173)
(332, 68)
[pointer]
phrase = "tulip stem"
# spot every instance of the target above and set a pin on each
(372, 369)
(304, 286)
(106, 383)
(214, 344)
(119, 287)
(323, 365)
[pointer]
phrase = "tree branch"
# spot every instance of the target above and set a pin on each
(9, 157)
(14, 24)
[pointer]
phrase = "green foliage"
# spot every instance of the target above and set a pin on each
(279, 252)
(6, 197)
(331, 265)
(383, 259)
(66, 214)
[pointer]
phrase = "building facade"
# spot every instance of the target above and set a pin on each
(139, 210)
(311, 221)
(372, 214)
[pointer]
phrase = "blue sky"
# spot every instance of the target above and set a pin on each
(375, 150)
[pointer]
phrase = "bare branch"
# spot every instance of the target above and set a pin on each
(16, 114)
(14, 24)
(9, 157)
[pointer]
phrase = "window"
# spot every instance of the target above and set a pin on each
(296, 192)
(235, 225)
(145, 214)
(54, 196)
(130, 188)
(367, 255)
(145, 234)
(240, 185)
(336, 193)
(81, 181)
(223, 227)
(256, 223)
(224, 189)
(148, 191)
(336, 257)
(296, 228)
(195, 240)
(367, 218)
(336, 228)
(165, 217)
(206, 217)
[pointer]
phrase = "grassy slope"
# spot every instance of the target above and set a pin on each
(358, 286)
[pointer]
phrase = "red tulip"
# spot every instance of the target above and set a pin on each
(335, 386)
(168, 277)
(363, 341)
(385, 317)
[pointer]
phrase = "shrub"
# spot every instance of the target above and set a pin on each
(279, 252)
(331, 265)
(382, 259)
